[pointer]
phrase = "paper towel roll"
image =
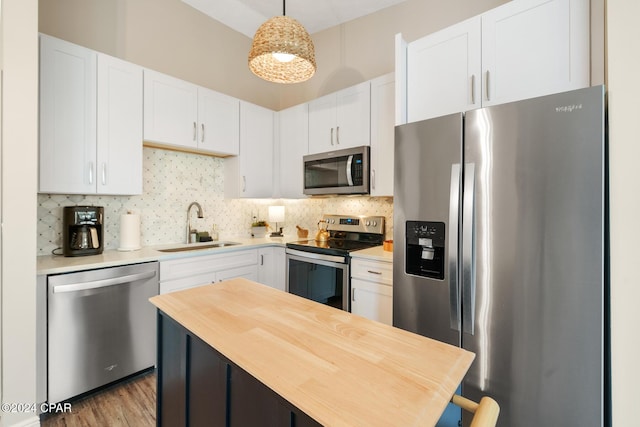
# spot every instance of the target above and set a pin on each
(129, 232)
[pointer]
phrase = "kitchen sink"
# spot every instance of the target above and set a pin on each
(199, 247)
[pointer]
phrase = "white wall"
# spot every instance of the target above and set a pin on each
(623, 69)
(19, 175)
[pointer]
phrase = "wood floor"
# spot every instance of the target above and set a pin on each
(131, 403)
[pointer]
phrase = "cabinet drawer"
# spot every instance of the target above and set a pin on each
(187, 282)
(248, 272)
(377, 271)
(197, 265)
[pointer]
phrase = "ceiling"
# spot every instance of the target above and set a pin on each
(246, 16)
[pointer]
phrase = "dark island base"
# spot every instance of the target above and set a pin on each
(197, 386)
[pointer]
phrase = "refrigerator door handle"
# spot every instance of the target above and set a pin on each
(454, 203)
(468, 252)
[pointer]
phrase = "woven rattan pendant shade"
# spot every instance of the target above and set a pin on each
(282, 34)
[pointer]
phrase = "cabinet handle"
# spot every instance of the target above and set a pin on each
(90, 173)
(353, 294)
(338, 135)
(261, 259)
(486, 85)
(473, 89)
(244, 183)
(202, 136)
(331, 140)
(373, 179)
(104, 174)
(374, 272)
(195, 131)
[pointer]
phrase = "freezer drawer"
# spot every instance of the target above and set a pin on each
(101, 327)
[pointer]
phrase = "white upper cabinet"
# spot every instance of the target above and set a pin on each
(520, 50)
(250, 175)
(90, 121)
(382, 135)
(340, 120)
(443, 71)
(183, 115)
(170, 110)
(533, 48)
(219, 122)
(294, 137)
(119, 126)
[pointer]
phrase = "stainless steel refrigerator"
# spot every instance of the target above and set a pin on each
(500, 247)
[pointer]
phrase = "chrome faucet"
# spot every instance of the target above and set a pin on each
(200, 215)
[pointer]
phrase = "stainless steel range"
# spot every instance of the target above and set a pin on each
(319, 270)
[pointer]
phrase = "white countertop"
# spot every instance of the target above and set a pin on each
(376, 253)
(55, 264)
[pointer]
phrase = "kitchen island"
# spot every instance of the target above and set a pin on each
(241, 353)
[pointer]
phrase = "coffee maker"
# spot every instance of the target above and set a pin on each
(82, 230)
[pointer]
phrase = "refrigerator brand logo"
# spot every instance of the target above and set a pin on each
(568, 108)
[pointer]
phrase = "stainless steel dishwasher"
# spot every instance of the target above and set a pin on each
(101, 327)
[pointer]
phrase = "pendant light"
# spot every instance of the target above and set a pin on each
(282, 51)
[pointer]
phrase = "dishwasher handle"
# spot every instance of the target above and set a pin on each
(96, 284)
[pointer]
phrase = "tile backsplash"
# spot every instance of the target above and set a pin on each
(172, 180)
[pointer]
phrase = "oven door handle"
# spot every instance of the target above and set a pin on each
(313, 255)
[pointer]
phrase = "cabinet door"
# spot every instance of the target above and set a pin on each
(372, 300)
(119, 164)
(67, 118)
(322, 124)
(353, 116)
(206, 384)
(271, 267)
(534, 48)
(171, 385)
(218, 123)
(252, 403)
(382, 135)
(170, 110)
(294, 144)
(443, 72)
(256, 151)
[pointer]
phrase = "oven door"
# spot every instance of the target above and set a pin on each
(318, 277)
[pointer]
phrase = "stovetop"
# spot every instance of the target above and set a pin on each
(347, 233)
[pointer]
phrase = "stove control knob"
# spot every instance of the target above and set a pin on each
(375, 223)
(368, 223)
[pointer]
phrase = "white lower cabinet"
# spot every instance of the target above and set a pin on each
(272, 266)
(183, 273)
(372, 290)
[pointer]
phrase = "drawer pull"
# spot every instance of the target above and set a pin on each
(373, 272)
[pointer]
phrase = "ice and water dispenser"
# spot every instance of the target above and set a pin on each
(425, 249)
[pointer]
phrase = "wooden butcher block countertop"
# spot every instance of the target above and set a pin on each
(338, 368)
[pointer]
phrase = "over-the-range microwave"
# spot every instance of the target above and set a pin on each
(337, 172)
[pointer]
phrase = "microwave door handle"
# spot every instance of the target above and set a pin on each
(349, 177)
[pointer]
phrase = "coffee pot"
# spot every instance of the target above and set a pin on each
(82, 230)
